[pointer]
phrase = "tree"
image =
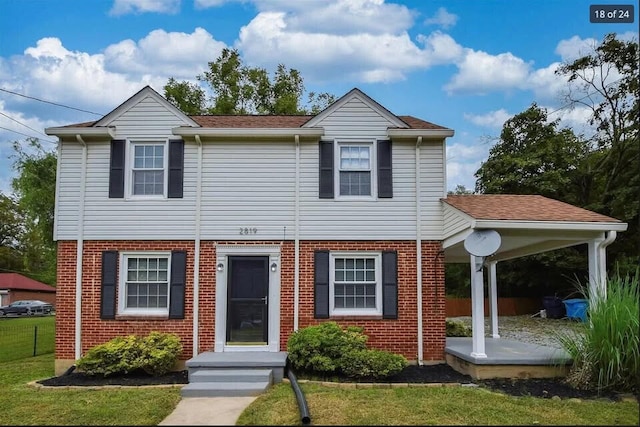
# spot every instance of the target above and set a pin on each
(533, 156)
(188, 97)
(239, 89)
(11, 232)
(606, 82)
(35, 188)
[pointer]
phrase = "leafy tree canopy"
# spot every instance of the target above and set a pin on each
(237, 88)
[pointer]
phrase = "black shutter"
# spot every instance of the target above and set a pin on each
(390, 285)
(326, 170)
(116, 169)
(176, 168)
(321, 285)
(177, 284)
(109, 283)
(385, 176)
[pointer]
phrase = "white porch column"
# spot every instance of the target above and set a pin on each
(493, 298)
(477, 308)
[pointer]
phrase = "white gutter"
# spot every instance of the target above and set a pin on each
(420, 133)
(296, 237)
(248, 132)
(79, 250)
(419, 251)
(87, 132)
(196, 260)
(602, 261)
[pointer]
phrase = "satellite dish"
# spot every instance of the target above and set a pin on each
(482, 242)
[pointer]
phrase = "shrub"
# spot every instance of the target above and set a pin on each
(319, 348)
(372, 363)
(154, 354)
(606, 351)
(456, 328)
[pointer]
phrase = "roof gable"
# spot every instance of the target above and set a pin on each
(145, 92)
(356, 94)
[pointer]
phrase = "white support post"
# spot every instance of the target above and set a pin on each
(493, 299)
(477, 308)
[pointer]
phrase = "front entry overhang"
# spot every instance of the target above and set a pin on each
(527, 225)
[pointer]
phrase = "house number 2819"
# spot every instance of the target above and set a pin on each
(248, 230)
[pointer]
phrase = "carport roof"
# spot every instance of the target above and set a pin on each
(528, 224)
(522, 208)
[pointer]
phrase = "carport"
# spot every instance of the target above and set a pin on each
(527, 225)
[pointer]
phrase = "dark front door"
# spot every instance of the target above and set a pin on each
(247, 303)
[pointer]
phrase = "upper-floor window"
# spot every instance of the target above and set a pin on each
(355, 171)
(148, 169)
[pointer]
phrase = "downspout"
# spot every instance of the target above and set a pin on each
(196, 261)
(296, 237)
(602, 259)
(79, 250)
(419, 251)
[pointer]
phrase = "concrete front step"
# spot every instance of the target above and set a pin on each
(207, 375)
(229, 389)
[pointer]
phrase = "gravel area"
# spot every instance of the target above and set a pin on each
(529, 329)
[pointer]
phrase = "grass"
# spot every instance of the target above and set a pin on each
(23, 404)
(17, 336)
(430, 406)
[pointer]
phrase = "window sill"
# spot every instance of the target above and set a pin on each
(356, 317)
(142, 317)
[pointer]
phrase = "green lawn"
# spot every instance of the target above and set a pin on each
(23, 404)
(430, 406)
(18, 336)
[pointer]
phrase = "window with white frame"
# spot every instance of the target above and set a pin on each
(356, 285)
(355, 169)
(144, 284)
(148, 166)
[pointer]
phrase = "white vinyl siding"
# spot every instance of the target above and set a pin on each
(251, 186)
(248, 185)
(454, 221)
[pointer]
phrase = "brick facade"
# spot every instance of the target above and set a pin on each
(397, 335)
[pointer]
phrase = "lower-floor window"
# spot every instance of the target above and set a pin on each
(355, 287)
(144, 284)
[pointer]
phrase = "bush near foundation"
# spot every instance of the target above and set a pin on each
(155, 354)
(328, 349)
(456, 328)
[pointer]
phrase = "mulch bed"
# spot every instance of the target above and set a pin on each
(440, 373)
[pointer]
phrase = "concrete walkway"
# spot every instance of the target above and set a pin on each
(207, 411)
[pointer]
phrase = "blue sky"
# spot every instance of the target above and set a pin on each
(465, 64)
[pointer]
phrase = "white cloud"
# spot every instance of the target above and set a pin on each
(123, 7)
(493, 119)
(442, 18)
(371, 55)
(99, 82)
(575, 47)
(175, 54)
(462, 163)
(480, 72)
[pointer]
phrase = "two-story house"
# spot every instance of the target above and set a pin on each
(235, 231)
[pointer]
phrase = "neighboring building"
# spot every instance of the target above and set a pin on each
(234, 231)
(16, 287)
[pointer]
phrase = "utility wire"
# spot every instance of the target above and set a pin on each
(28, 136)
(50, 102)
(20, 123)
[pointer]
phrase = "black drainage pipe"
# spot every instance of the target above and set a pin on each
(69, 371)
(305, 417)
